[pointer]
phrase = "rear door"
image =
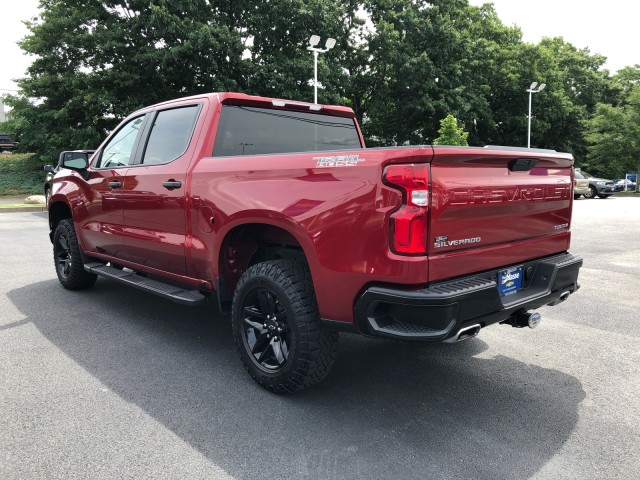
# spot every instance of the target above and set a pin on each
(493, 208)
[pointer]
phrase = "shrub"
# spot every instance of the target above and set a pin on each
(21, 174)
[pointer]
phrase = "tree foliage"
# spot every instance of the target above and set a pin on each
(450, 133)
(400, 64)
(613, 137)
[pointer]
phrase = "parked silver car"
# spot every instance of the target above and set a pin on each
(580, 185)
(600, 187)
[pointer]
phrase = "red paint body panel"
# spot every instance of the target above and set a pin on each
(339, 215)
(515, 215)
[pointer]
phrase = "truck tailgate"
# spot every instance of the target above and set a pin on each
(492, 208)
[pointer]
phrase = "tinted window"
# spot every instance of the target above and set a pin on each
(577, 174)
(252, 131)
(119, 151)
(170, 135)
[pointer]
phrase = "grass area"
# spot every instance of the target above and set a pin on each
(21, 174)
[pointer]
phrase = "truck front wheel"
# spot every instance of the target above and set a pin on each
(276, 326)
(67, 258)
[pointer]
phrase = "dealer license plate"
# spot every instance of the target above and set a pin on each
(510, 280)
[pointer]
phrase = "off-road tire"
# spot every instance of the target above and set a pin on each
(282, 289)
(67, 258)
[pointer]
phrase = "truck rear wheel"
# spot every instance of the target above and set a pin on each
(67, 258)
(276, 326)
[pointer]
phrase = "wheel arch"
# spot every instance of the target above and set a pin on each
(246, 244)
(57, 211)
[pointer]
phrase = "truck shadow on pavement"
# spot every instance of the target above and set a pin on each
(387, 410)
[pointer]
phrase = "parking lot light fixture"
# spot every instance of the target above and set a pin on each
(532, 89)
(313, 41)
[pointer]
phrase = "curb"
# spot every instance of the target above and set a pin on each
(23, 208)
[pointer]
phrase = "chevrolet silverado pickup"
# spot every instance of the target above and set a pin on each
(276, 209)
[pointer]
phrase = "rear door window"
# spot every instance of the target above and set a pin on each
(253, 131)
(170, 134)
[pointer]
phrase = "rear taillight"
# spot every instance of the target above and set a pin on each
(409, 222)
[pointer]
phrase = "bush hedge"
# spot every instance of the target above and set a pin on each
(21, 174)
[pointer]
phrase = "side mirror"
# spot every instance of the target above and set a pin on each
(49, 168)
(76, 161)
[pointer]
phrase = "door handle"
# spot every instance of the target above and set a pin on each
(115, 184)
(172, 184)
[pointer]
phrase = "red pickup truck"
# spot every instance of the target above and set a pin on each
(277, 208)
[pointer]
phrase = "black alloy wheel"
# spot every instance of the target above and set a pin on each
(64, 259)
(277, 329)
(267, 334)
(68, 258)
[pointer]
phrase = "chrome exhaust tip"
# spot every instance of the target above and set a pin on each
(464, 334)
(563, 296)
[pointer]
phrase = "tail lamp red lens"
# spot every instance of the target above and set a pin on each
(409, 222)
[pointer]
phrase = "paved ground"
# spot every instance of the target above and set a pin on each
(114, 383)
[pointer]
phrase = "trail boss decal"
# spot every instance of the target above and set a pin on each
(338, 161)
(442, 242)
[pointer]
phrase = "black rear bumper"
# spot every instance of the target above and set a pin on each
(441, 310)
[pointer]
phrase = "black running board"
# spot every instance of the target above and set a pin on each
(170, 292)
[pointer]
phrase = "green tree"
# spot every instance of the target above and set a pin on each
(450, 133)
(408, 65)
(95, 62)
(613, 137)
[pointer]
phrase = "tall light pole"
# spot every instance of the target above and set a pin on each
(313, 41)
(532, 89)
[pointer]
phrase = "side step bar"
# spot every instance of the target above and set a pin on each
(170, 292)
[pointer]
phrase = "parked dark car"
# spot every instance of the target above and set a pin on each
(600, 187)
(67, 155)
(6, 145)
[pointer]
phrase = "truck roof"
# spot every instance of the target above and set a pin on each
(233, 98)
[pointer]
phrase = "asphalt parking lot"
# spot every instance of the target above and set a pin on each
(115, 383)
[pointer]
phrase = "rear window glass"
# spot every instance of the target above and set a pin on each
(254, 131)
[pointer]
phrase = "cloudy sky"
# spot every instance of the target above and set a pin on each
(606, 27)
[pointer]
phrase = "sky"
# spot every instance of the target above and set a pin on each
(609, 28)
